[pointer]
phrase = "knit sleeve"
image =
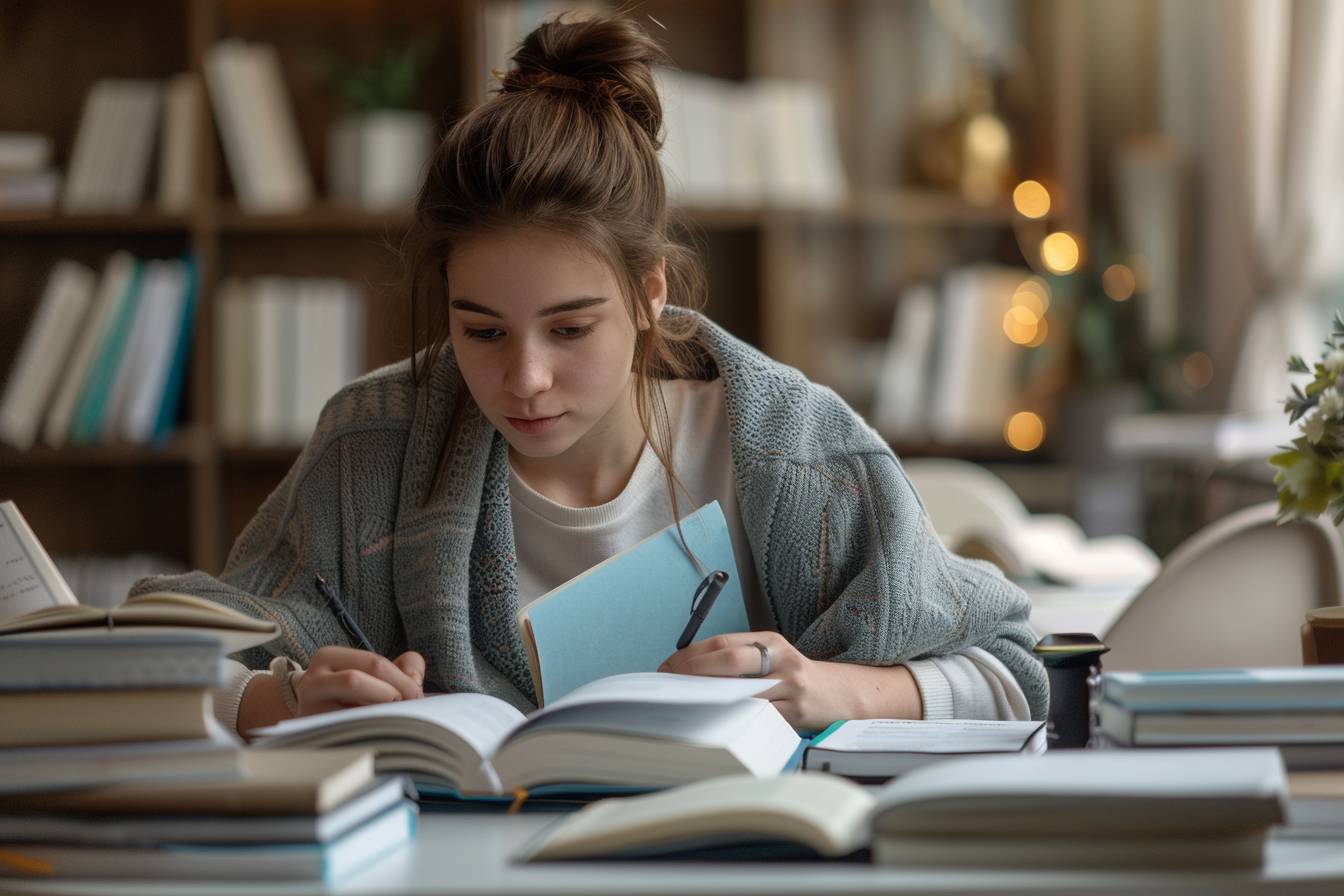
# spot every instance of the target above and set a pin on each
(883, 588)
(331, 514)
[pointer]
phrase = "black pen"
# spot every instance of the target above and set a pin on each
(352, 630)
(701, 604)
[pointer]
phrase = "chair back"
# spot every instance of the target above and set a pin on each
(963, 498)
(1234, 594)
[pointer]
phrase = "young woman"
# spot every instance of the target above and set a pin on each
(568, 404)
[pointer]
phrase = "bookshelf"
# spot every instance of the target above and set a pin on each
(188, 499)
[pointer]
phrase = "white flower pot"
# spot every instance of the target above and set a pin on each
(377, 160)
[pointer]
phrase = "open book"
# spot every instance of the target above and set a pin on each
(1062, 810)
(873, 750)
(160, 613)
(28, 579)
(625, 613)
(642, 730)
(1054, 547)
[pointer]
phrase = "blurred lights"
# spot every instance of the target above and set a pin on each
(1020, 325)
(1031, 199)
(1143, 274)
(1060, 252)
(1118, 282)
(1033, 295)
(1024, 431)
(1197, 370)
(1042, 331)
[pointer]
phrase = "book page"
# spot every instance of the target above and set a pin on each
(28, 579)
(915, 736)
(662, 687)
(482, 721)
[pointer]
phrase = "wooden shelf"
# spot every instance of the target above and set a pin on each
(19, 223)
(259, 455)
(182, 449)
(318, 218)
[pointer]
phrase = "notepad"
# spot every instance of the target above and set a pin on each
(624, 615)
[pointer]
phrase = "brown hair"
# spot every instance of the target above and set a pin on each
(568, 143)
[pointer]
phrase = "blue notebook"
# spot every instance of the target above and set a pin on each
(625, 614)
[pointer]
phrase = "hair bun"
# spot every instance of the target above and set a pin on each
(609, 57)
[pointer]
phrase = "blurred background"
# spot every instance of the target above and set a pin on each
(1071, 242)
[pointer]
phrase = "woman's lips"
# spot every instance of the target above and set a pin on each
(535, 426)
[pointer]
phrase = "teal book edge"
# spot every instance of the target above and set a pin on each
(177, 373)
(829, 730)
(626, 613)
(93, 397)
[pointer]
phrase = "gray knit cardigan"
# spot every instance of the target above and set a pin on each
(411, 524)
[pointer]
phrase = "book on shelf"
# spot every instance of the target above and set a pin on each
(27, 180)
(898, 403)
(642, 730)
(257, 127)
(183, 106)
(114, 145)
(46, 345)
(283, 347)
(1081, 809)
(877, 749)
(634, 605)
(1316, 801)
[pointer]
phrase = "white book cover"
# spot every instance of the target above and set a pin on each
(270, 389)
(113, 149)
(33, 376)
(144, 100)
(87, 153)
(902, 387)
(706, 173)
(286, 184)
(319, 350)
(136, 352)
(237, 131)
(742, 153)
(111, 291)
(170, 301)
(824, 170)
(179, 143)
(24, 153)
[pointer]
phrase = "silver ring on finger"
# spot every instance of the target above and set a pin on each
(765, 662)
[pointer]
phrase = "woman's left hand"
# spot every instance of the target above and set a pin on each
(810, 694)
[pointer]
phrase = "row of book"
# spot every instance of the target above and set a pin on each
(105, 356)
(744, 144)
(283, 346)
(950, 370)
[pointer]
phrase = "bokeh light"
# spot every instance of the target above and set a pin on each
(1118, 282)
(1042, 331)
(1024, 431)
(1031, 199)
(1020, 325)
(1060, 252)
(1033, 295)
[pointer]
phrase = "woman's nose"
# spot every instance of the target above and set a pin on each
(527, 373)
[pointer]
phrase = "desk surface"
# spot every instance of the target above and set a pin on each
(469, 853)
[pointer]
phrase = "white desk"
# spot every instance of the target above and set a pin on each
(469, 853)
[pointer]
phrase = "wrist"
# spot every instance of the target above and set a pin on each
(261, 705)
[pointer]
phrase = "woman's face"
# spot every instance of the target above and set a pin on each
(542, 337)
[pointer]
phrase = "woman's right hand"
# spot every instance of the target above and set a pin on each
(340, 677)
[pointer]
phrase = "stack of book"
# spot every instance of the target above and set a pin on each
(1066, 810)
(1300, 710)
(112, 764)
(105, 356)
(27, 179)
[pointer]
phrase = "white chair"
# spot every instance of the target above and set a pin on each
(1233, 594)
(963, 498)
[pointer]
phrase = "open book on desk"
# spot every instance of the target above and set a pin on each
(642, 730)
(1074, 809)
(624, 614)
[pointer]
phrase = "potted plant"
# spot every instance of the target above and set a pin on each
(1310, 473)
(378, 148)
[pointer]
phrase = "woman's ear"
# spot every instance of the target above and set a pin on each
(655, 288)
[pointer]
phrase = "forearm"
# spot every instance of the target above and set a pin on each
(875, 692)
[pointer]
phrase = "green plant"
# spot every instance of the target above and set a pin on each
(390, 80)
(1310, 473)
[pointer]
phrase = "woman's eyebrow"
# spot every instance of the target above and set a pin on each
(570, 305)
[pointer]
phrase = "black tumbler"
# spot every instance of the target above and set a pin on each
(1073, 663)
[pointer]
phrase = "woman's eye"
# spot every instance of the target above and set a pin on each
(573, 332)
(488, 334)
